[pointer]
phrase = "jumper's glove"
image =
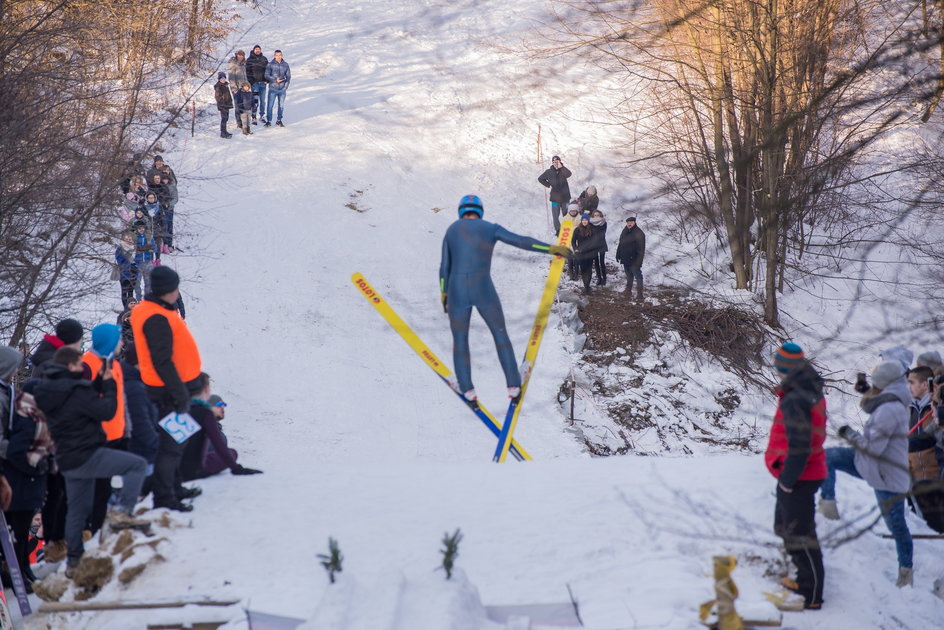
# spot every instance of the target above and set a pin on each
(846, 432)
(561, 250)
(239, 469)
(444, 298)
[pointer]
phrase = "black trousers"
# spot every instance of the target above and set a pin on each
(795, 522)
(599, 264)
(224, 118)
(127, 290)
(586, 271)
(54, 510)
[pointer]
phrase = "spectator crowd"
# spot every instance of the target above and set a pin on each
(134, 404)
(589, 241)
(255, 88)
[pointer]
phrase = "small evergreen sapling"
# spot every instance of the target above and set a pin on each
(450, 551)
(331, 561)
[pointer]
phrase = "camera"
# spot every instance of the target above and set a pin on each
(862, 383)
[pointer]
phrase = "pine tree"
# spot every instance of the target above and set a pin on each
(450, 551)
(331, 561)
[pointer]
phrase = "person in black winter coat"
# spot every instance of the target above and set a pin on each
(630, 253)
(598, 221)
(28, 460)
(224, 102)
(68, 333)
(555, 178)
(75, 410)
(255, 73)
(589, 241)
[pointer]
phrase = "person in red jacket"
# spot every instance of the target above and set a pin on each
(796, 458)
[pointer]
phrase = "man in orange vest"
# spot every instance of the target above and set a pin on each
(170, 367)
(106, 344)
(796, 458)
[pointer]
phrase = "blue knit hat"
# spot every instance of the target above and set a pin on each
(788, 356)
(585, 215)
(105, 338)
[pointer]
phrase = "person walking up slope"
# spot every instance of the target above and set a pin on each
(465, 281)
(630, 253)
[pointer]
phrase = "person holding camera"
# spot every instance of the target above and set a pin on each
(879, 455)
(555, 178)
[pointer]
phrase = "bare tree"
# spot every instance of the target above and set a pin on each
(84, 91)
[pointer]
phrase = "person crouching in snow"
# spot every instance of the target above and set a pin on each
(795, 457)
(206, 453)
(880, 456)
(465, 281)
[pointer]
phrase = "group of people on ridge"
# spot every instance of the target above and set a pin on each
(899, 453)
(252, 87)
(589, 243)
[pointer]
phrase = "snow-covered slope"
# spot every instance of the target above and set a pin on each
(395, 111)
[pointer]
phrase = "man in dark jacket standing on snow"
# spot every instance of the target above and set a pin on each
(630, 253)
(555, 178)
(255, 73)
(796, 458)
(169, 362)
(224, 102)
(75, 410)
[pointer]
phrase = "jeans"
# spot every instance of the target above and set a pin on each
(892, 504)
(80, 489)
(258, 97)
(273, 96)
(631, 273)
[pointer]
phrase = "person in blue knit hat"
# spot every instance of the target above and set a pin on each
(465, 281)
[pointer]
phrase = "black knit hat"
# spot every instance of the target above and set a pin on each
(164, 280)
(69, 331)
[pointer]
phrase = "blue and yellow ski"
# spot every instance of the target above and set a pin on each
(420, 348)
(505, 439)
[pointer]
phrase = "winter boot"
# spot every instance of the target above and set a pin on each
(266, 123)
(246, 131)
(188, 493)
(513, 392)
(470, 395)
(225, 134)
(905, 577)
(639, 293)
(72, 566)
(829, 509)
(278, 123)
(586, 290)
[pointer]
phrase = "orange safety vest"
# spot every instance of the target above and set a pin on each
(185, 356)
(114, 428)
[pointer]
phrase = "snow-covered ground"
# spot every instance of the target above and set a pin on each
(395, 111)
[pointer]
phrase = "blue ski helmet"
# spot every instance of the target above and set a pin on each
(471, 203)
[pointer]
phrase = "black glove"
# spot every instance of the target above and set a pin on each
(845, 431)
(239, 469)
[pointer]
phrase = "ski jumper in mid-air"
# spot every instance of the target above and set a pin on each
(465, 281)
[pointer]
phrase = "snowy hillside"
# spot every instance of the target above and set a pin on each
(395, 111)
